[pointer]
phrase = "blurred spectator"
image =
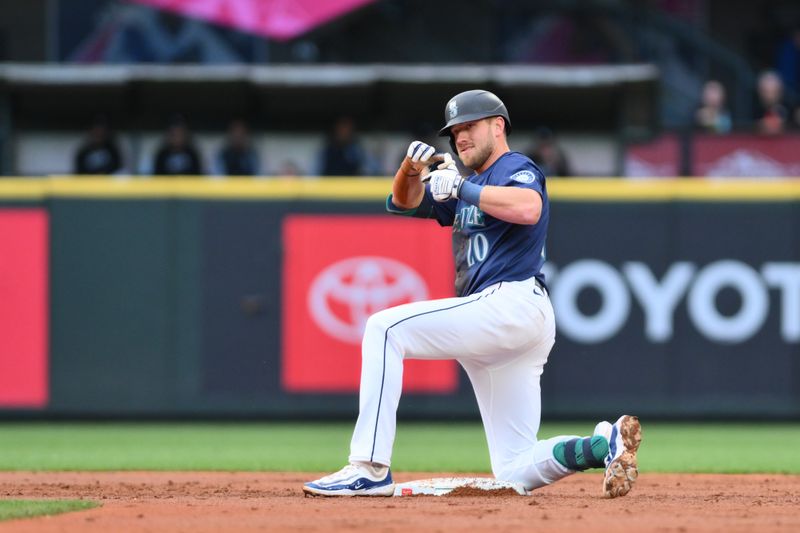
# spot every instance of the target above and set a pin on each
(177, 155)
(712, 115)
(548, 155)
(772, 112)
(342, 154)
(237, 156)
(99, 154)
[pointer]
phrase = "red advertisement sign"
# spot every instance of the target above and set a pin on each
(748, 156)
(659, 158)
(338, 270)
(23, 308)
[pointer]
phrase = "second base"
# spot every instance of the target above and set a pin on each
(443, 485)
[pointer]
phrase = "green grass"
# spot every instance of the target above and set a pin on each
(734, 448)
(11, 509)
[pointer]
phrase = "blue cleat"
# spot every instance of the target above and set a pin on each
(624, 437)
(353, 480)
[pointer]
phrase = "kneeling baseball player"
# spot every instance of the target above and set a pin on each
(500, 327)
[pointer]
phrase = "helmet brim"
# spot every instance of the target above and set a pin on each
(445, 132)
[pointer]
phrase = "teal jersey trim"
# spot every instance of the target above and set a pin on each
(423, 210)
(393, 209)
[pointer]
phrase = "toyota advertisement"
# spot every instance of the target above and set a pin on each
(340, 270)
(695, 308)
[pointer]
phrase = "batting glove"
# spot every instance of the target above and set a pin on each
(419, 152)
(423, 156)
(445, 183)
(447, 162)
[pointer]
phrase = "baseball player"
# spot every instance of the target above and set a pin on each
(500, 327)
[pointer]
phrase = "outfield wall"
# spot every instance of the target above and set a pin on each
(247, 298)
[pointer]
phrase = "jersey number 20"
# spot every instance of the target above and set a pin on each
(477, 248)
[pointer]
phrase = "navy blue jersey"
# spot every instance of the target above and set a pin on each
(486, 249)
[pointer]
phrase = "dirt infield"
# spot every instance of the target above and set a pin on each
(216, 501)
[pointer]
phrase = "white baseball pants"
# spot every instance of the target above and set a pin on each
(502, 337)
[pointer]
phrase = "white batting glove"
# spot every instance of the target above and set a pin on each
(420, 153)
(422, 156)
(445, 183)
(447, 161)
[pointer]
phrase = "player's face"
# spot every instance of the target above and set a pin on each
(474, 141)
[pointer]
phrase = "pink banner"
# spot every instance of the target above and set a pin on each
(279, 19)
(746, 155)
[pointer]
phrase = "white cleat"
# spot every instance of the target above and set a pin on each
(624, 437)
(353, 480)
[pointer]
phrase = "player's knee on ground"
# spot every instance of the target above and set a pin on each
(525, 474)
(547, 461)
(509, 470)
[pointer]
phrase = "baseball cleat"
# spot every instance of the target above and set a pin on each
(353, 480)
(624, 437)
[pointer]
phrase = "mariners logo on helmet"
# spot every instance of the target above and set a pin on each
(453, 107)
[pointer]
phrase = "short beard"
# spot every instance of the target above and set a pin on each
(479, 156)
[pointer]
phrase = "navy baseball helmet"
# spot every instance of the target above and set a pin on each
(473, 105)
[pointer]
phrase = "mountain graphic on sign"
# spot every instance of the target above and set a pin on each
(750, 163)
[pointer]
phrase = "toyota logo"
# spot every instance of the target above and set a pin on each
(344, 295)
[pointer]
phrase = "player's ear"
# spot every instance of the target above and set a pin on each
(499, 125)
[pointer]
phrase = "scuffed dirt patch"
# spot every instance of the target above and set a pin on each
(222, 501)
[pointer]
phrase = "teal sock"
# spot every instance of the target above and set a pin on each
(582, 454)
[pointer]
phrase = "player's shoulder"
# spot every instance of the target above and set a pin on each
(515, 166)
